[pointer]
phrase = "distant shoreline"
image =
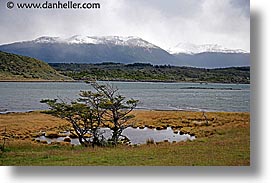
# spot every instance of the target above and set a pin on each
(133, 81)
(42, 81)
(137, 110)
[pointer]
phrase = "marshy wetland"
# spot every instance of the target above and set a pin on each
(133, 136)
(223, 141)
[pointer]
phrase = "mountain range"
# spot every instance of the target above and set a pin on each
(126, 50)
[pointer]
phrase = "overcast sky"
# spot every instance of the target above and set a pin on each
(162, 22)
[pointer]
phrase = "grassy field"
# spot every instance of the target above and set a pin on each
(225, 140)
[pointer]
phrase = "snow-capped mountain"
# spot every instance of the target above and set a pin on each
(108, 40)
(94, 49)
(91, 49)
(209, 55)
(191, 49)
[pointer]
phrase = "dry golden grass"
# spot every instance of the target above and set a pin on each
(191, 122)
(27, 125)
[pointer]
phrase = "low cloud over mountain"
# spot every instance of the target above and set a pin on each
(92, 49)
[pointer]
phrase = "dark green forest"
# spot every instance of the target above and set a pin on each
(147, 72)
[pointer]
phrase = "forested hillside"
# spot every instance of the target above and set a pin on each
(148, 72)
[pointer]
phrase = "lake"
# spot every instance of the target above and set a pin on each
(26, 96)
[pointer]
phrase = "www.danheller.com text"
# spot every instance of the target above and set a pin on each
(54, 5)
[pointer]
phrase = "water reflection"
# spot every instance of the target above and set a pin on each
(140, 136)
(135, 135)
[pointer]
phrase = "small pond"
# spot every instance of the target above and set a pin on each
(135, 135)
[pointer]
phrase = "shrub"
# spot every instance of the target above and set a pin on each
(150, 141)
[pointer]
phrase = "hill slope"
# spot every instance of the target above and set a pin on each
(16, 67)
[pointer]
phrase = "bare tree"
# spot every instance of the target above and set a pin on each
(116, 109)
(205, 117)
(2, 146)
(103, 107)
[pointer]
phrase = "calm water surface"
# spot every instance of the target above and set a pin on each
(136, 136)
(26, 96)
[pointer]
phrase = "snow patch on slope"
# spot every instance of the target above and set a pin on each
(191, 49)
(109, 40)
